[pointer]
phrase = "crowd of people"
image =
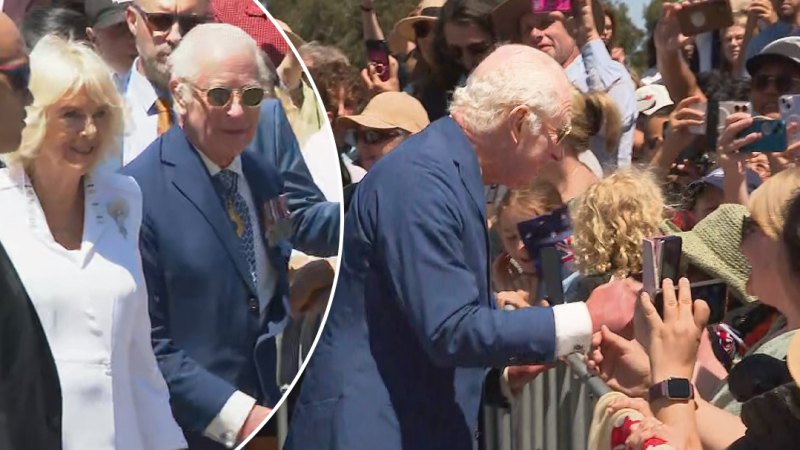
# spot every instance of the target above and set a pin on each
(679, 150)
(161, 229)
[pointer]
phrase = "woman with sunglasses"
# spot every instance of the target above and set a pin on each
(72, 233)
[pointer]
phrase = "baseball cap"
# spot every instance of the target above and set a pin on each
(428, 11)
(106, 13)
(390, 110)
(652, 98)
(716, 178)
(787, 48)
(506, 17)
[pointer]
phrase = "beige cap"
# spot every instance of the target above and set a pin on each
(428, 10)
(296, 40)
(390, 110)
(506, 17)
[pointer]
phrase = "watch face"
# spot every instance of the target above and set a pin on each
(679, 388)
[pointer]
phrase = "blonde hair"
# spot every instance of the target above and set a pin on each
(59, 70)
(612, 218)
(540, 197)
(592, 114)
(768, 203)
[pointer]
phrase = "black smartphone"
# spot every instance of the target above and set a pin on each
(670, 257)
(714, 292)
(551, 275)
(378, 54)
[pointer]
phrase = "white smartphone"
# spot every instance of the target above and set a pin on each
(790, 113)
(699, 129)
(728, 108)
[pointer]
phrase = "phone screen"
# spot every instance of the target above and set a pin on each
(378, 54)
(714, 292)
(669, 265)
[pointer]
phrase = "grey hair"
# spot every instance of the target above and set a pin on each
(214, 41)
(488, 97)
(316, 54)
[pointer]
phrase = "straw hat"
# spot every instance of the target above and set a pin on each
(388, 111)
(506, 17)
(296, 40)
(428, 10)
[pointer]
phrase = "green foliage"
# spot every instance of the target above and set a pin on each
(337, 22)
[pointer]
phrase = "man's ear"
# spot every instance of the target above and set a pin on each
(91, 35)
(130, 18)
(518, 121)
(179, 91)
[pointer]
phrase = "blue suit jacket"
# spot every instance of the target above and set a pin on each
(315, 221)
(208, 334)
(413, 325)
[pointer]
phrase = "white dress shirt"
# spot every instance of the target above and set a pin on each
(226, 425)
(322, 160)
(142, 126)
(92, 303)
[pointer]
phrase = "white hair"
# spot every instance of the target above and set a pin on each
(490, 95)
(211, 42)
(59, 70)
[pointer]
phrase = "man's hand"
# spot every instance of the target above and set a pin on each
(612, 304)
(372, 77)
(763, 10)
(621, 363)
(513, 299)
(585, 17)
(311, 287)
(519, 376)
(253, 422)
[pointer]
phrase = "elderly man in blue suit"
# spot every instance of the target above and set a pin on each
(216, 266)
(413, 326)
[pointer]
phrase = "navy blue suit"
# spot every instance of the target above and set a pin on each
(413, 326)
(208, 334)
(315, 221)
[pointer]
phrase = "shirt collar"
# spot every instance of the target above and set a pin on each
(213, 168)
(140, 88)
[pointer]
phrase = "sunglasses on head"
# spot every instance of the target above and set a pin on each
(18, 75)
(221, 97)
(783, 83)
(163, 22)
(370, 137)
(422, 29)
(749, 226)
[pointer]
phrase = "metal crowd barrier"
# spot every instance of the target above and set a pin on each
(553, 412)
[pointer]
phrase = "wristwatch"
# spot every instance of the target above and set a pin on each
(679, 389)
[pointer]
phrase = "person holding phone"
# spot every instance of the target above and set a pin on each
(776, 20)
(573, 40)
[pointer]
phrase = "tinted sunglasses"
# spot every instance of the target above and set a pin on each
(422, 29)
(163, 22)
(371, 137)
(749, 226)
(18, 75)
(783, 83)
(221, 97)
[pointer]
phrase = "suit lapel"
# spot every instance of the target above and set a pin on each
(186, 171)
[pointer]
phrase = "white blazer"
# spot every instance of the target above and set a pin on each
(92, 304)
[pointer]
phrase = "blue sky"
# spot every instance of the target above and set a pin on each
(636, 11)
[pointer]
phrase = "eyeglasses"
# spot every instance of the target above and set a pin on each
(475, 50)
(783, 83)
(163, 22)
(18, 75)
(749, 226)
(562, 133)
(371, 137)
(221, 97)
(422, 29)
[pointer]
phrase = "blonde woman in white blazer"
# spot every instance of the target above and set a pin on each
(72, 235)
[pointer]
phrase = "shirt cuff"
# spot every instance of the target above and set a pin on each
(505, 387)
(226, 425)
(573, 328)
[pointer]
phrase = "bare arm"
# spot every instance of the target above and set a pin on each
(678, 77)
(369, 22)
(718, 429)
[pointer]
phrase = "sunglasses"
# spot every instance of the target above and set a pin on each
(18, 75)
(476, 50)
(422, 29)
(749, 226)
(783, 83)
(221, 97)
(163, 22)
(371, 137)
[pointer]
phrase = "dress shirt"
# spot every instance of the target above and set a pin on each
(141, 98)
(321, 157)
(226, 425)
(594, 70)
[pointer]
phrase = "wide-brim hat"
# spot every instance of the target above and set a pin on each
(388, 111)
(428, 11)
(294, 38)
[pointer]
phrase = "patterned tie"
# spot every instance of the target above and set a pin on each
(164, 116)
(226, 182)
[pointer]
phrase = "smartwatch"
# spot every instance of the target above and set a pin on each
(680, 389)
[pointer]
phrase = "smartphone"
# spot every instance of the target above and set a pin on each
(714, 292)
(378, 54)
(552, 275)
(699, 130)
(669, 258)
(701, 17)
(547, 230)
(790, 113)
(543, 6)
(728, 108)
(774, 136)
(650, 281)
